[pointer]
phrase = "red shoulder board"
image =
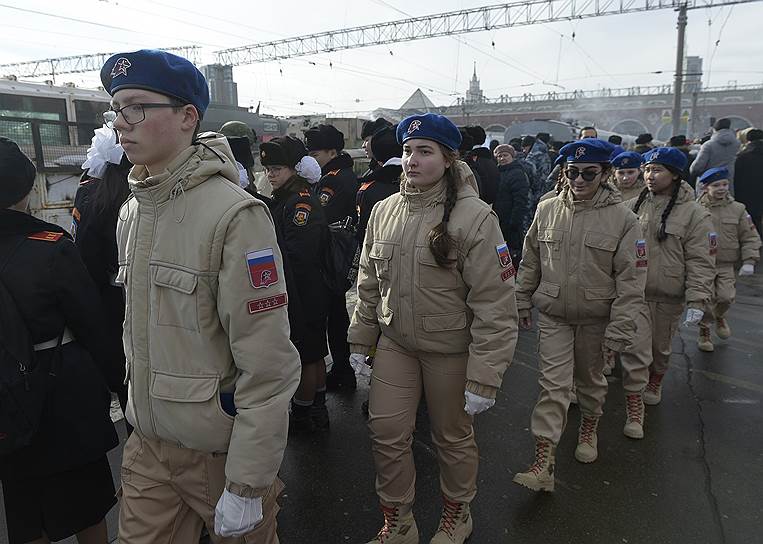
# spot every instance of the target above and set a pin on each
(365, 186)
(333, 173)
(46, 236)
(85, 182)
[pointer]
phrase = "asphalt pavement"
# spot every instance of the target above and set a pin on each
(697, 476)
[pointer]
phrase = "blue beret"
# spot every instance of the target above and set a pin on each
(587, 150)
(156, 71)
(667, 156)
(616, 150)
(628, 159)
(429, 126)
(714, 174)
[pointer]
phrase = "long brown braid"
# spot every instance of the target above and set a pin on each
(661, 234)
(440, 242)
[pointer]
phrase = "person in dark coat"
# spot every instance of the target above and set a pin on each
(383, 182)
(60, 484)
(643, 143)
(367, 131)
(748, 177)
(336, 192)
(467, 143)
(511, 202)
(100, 194)
(484, 163)
(302, 233)
(679, 141)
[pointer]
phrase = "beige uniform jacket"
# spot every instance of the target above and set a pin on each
(738, 240)
(402, 292)
(195, 325)
(633, 191)
(681, 267)
(584, 261)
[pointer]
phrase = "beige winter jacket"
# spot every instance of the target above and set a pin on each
(633, 191)
(681, 267)
(585, 261)
(738, 240)
(195, 326)
(467, 307)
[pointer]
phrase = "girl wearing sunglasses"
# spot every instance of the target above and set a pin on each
(581, 269)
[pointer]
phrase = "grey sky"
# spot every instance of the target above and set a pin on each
(613, 51)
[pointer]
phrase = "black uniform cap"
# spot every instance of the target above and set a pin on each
(282, 151)
(324, 137)
(477, 133)
(16, 174)
(372, 127)
(384, 144)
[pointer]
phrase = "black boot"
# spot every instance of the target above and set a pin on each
(319, 414)
(299, 419)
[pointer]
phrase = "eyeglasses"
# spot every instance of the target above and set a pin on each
(132, 114)
(587, 175)
(273, 170)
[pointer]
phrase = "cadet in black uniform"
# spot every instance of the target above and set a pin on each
(482, 160)
(60, 484)
(101, 193)
(366, 132)
(302, 232)
(336, 192)
(382, 182)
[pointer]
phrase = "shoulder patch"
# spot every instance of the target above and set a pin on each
(641, 260)
(76, 215)
(504, 258)
(262, 268)
(267, 303)
(304, 193)
(750, 222)
(365, 186)
(326, 194)
(333, 173)
(301, 214)
(46, 236)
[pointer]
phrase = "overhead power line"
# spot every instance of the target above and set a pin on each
(450, 23)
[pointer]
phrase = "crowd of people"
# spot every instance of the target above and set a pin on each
(207, 298)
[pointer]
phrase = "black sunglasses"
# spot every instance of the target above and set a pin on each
(587, 175)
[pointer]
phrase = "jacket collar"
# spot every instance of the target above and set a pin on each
(708, 202)
(210, 156)
(343, 160)
(685, 194)
(14, 223)
(606, 195)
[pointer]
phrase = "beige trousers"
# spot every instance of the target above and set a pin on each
(169, 493)
(665, 318)
(724, 293)
(397, 381)
(566, 352)
(636, 358)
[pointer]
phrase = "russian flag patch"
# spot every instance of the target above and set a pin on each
(262, 268)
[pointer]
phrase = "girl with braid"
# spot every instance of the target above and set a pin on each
(436, 286)
(682, 247)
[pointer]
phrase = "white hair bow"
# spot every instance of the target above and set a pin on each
(104, 149)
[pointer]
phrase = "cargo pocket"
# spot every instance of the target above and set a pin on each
(434, 276)
(550, 242)
(177, 298)
(444, 322)
(601, 249)
(187, 410)
(380, 257)
(545, 297)
(598, 301)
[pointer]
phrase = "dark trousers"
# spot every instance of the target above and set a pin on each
(338, 323)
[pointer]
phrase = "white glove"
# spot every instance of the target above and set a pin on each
(358, 364)
(693, 316)
(747, 270)
(237, 516)
(476, 404)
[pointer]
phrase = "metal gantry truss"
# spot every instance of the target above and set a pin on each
(446, 24)
(79, 63)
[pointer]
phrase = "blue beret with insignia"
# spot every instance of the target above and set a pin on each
(714, 174)
(429, 126)
(667, 156)
(587, 150)
(628, 159)
(157, 71)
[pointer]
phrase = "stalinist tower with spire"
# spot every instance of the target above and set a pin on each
(474, 94)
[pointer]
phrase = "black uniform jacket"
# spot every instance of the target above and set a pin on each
(337, 188)
(302, 232)
(52, 289)
(375, 187)
(484, 163)
(511, 205)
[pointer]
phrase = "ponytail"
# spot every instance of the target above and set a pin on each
(440, 242)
